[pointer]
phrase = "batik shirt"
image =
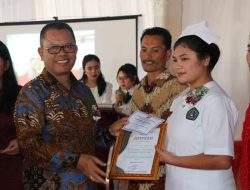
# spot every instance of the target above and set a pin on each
(54, 126)
(157, 99)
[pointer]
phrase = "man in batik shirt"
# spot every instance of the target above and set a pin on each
(156, 90)
(54, 121)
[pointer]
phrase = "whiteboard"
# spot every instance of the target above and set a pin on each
(113, 39)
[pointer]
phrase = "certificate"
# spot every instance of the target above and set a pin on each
(134, 155)
(142, 122)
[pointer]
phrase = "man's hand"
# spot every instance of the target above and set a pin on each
(114, 129)
(12, 148)
(90, 166)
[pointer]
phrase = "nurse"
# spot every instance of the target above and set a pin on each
(199, 143)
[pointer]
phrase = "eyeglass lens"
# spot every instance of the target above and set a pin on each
(66, 48)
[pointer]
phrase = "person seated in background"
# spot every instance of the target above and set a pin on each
(127, 79)
(94, 79)
(245, 155)
(10, 159)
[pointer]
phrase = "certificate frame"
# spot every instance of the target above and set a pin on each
(119, 146)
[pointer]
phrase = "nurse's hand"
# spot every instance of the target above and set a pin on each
(165, 156)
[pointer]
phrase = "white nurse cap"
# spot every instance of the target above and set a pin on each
(201, 30)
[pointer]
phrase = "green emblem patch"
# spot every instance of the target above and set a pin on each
(192, 114)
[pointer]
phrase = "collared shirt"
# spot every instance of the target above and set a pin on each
(157, 100)
(54, 126)
(205, 127)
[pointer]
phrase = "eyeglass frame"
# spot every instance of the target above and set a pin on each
(124, 78)
(61, 48)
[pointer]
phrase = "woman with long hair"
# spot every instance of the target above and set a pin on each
(94, 79)
(10, 159)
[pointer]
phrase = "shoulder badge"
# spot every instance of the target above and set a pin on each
(192, 114)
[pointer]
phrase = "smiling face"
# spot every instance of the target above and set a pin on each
(59, 64)
(189, 69)
(92, 70)
(154, 54)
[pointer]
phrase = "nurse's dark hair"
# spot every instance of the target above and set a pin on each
(201, 48)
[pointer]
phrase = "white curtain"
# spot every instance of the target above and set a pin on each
(35, 10)
(17, 10)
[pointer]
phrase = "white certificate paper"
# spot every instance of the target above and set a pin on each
(138, 156)
(141, 122)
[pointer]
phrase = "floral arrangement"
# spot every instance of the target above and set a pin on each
(195, 95)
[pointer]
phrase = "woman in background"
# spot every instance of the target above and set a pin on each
(245, 156)
(10, 159)
(93, 78)
(127, 79)
(200, 138)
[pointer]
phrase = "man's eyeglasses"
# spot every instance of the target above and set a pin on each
(70, 48)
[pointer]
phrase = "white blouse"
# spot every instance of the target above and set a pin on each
(105, 98)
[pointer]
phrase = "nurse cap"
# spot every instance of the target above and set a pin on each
(201, 30)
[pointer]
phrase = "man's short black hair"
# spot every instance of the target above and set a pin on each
(56, 25)
(167, 38)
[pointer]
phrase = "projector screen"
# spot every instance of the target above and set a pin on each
(112, 39)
